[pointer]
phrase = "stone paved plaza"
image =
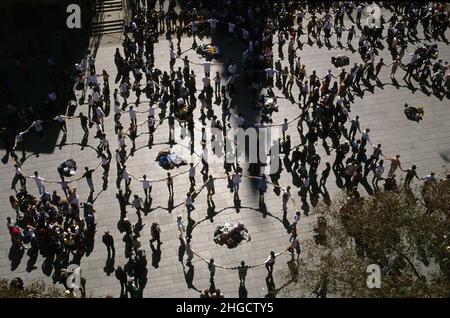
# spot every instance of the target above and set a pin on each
(425, 144)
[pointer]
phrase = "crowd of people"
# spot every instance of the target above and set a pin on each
(61, 227)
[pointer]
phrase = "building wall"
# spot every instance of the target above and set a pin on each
(23, 16)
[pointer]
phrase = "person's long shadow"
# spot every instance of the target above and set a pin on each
(181, 250)
(243, 293)
(424, 89)
(47, 264)
(90, 240)
(84, 141)
(170, 204)
(109, 265)
(211, 211)
(33, 254)
(189, 276)
(287, 164)
(395, 83)
(326, 147)
(263, 209)
(237, 202)
(326, 196)
(410, 86)
(212, 287)
(271, 289)
(15, 255)
(351, 48)
(286, 223)
(156, 255)
(63, 141)
(138, 227)
(339, 181)
(367, 187)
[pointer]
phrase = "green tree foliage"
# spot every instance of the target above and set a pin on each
(404, 232)
(36, 289)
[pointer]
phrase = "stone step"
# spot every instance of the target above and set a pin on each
(107, 23)
(109, 6)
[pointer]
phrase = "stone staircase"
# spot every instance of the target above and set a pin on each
(109, 17)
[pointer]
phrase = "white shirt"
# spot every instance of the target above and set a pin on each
(38, 180)
(173, 54)
(99, 112)
(207, 66)
(116, 108)
(194, 26)
(231, 27)
(96, 96)
(59, 118)
(236, 178)
(132, 114)
(269, 72)
(213, 23)
(146, 184)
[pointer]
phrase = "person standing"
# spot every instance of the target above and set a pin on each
(395, 163)
(410, 174)
(286, 197)
(270, 262)
(146, 185)
(212, 269)
(170, 184)
(189, 204)
(353, 127)
(133, 116)
(121, 276)
(126, 177)
(155, 232)
(108, 240)
(60, 119)
(37, 124)
(324, 175)
(210, 187)
(18, 176)
(236, 181)
(180, 225)
(39, 183)
(295, 246)
(171, 121)
(284, 128)
(242, 271)
(262, 187)
(84, 123)
(217, 80)
(88, 175)
(138, 204)
(192, 174)
(377, 174)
